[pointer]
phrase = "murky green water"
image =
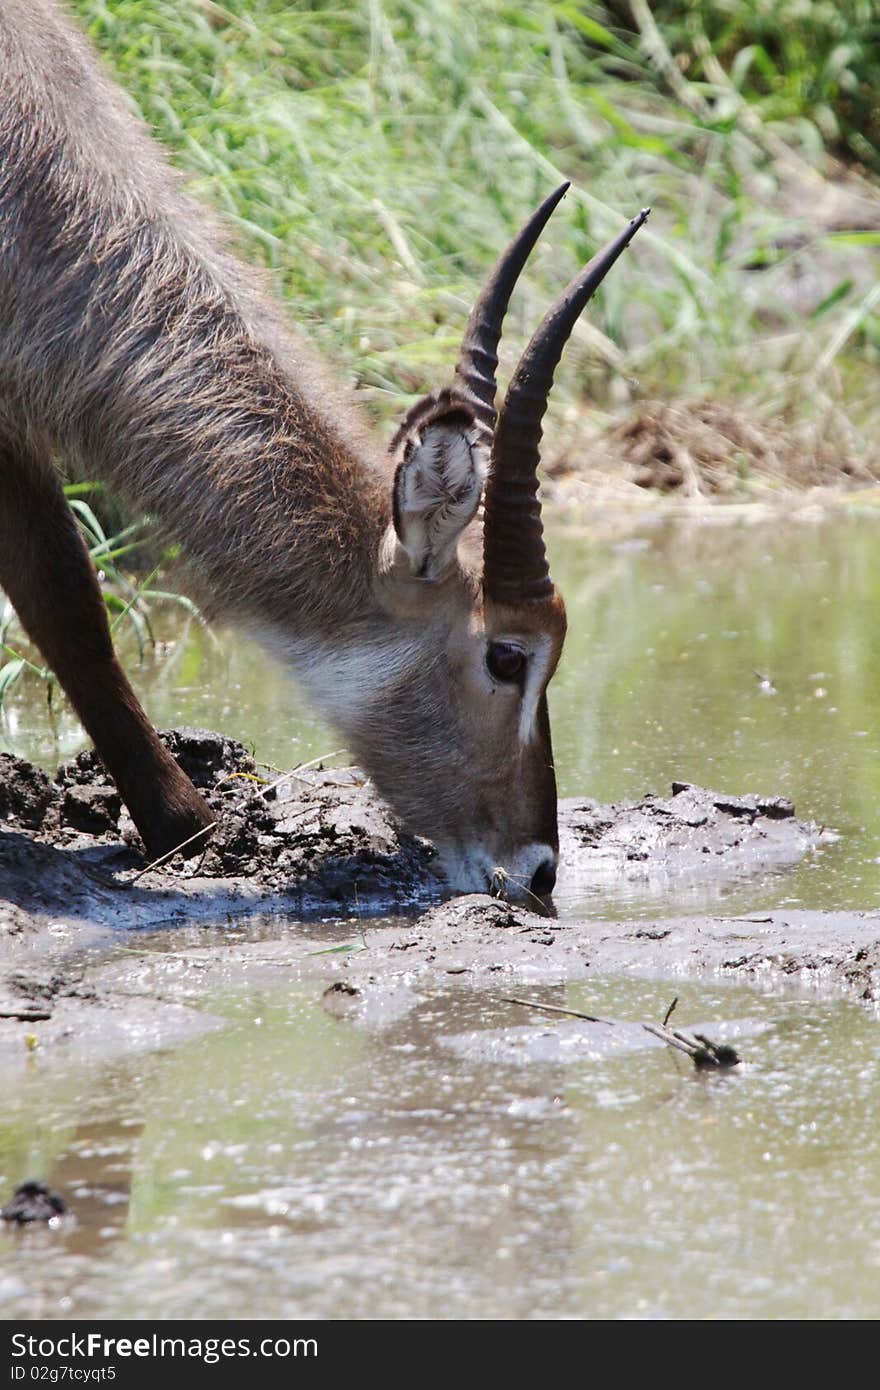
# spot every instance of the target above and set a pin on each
(295, 1164)
(742, 658)
(298, 1165)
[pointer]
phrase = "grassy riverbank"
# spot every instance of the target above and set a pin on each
(375, 157)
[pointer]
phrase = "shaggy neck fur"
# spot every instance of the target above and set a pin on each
(182, 389)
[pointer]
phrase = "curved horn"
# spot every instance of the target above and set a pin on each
(479, 349)
(514, 559)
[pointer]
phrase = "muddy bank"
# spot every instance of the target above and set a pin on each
(316, 838)
(319, 842)
(713, 449)
(478, 942)
(155, 992)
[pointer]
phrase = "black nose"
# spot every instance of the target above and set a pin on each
(543, 879)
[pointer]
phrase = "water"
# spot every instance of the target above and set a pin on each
(293, 1164)
(298, 1165)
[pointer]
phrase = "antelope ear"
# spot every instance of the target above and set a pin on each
(444, 459)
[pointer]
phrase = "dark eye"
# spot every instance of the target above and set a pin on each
(505, 662)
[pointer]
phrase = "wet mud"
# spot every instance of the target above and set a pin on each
(320, 841)
(300, 883)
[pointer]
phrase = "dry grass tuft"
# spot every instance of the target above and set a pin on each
(716, 450)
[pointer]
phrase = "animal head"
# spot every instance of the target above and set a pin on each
(463, 571)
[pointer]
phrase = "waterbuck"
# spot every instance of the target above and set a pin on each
(137, 349)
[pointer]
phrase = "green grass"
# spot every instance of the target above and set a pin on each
(129, 601)
(796, 62)
(375, 157)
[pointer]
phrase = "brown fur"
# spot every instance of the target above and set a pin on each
(132, 345)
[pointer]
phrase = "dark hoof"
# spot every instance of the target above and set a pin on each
(184, 834)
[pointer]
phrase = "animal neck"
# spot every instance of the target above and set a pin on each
(154, 360)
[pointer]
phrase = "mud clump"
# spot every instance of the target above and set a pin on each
(33, 1201)
(92, 809)
(320, 835)
(688, 834)
(747, 808)
(208, 758)
(476, 912)
(27, 796)
(323, 829)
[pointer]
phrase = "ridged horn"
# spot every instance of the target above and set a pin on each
(477, 363)
(514, 559)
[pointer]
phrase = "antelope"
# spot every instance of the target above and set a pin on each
(407, 588)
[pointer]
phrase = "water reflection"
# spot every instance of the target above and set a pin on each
(301, 1165)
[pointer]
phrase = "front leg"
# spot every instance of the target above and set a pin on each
(46, 572)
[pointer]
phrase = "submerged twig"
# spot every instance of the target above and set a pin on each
(667, 1036)
(556, 1009)
(723, 1054)
(701, 1050)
